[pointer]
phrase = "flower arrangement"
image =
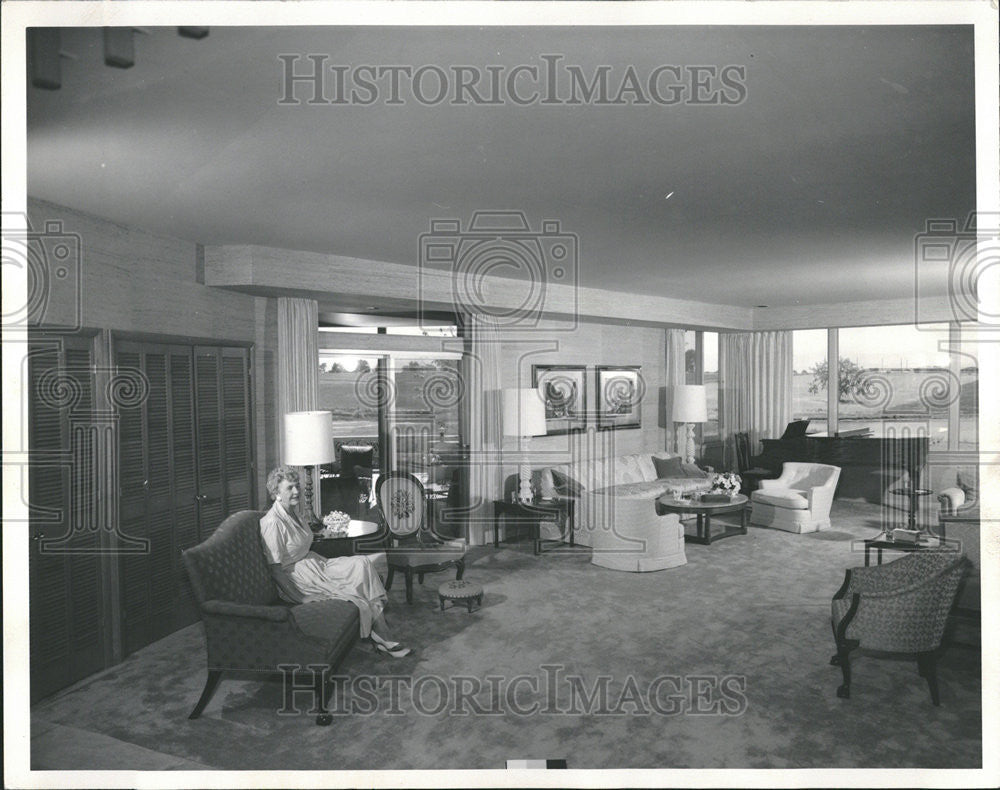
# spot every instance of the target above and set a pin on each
(335, 523)
(727, 483)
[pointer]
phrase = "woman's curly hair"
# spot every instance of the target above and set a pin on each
(276, 475)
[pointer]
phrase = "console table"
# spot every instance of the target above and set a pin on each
(532, 514)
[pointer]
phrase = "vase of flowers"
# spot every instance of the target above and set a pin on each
(335, 524)
(727, 483)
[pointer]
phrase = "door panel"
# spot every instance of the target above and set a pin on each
(66, 613)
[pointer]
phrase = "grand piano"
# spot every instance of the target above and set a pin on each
(869, 465)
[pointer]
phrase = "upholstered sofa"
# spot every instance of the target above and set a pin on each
(615, 506)
(797, 501)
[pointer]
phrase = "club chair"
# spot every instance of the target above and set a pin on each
(248, 627)
(797, 501)
(414, 547)
(900, 607)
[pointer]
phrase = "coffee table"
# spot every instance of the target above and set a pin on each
(705, 510)
(357, 540)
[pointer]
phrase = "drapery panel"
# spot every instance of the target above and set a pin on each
(481, 364)
(755, 386)
(674, 374)
(298, 359)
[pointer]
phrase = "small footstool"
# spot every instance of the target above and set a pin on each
(461, 592)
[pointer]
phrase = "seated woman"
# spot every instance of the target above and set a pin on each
(302, 575)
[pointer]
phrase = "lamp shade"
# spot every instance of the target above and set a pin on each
(690, 404)
(523, 413)
(308, 438)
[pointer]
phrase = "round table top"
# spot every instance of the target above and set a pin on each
(907, 491)
(355, 529)
(696, 506)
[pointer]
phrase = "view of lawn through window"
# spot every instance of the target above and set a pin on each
(901, 379)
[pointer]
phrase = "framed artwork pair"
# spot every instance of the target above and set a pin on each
(563, 389)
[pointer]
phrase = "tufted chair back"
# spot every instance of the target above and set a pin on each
(230, 565)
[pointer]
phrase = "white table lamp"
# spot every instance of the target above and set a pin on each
(309, 443)
(524, 417)
(690, 406)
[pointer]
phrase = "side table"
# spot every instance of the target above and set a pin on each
(883, 541)
(533, 513)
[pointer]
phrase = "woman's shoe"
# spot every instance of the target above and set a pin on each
(396, 652)
(380, 641)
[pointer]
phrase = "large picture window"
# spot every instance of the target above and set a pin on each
(896, 377)
(809, 377)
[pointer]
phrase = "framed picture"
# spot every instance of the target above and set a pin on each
(563, 388)
(619, 397)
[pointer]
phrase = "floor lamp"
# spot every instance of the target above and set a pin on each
(523, 417)
(690, 406)
(309, 443)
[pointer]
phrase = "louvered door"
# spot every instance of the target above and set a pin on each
(67, 617)
(178, 478)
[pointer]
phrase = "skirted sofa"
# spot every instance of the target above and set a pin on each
(615, 511)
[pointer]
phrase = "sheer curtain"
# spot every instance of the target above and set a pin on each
(755, 386)
(483, 380)
(674, 373)
(298, 360)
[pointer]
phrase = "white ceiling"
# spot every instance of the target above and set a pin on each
(810, 191)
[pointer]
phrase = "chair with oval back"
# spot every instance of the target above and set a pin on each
(415, 548)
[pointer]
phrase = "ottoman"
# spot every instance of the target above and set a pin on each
(461, 591)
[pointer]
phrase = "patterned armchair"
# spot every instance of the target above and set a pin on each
(247, 626)
(901, 607)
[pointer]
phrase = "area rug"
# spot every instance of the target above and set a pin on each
(719, 663)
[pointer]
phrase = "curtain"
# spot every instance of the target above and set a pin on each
(298, 360)
(675, 372)
(482, 375)
(755, 386)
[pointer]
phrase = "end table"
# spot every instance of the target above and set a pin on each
(533, 513)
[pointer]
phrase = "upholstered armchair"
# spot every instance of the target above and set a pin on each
(248, 627)
(901, 607)
(797, 501)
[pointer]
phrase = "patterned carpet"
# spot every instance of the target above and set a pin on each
(720, 663)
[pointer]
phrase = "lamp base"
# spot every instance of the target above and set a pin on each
(524, 494)
(689, 444)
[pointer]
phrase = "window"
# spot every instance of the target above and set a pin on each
(968, 401)
(896, 376)
(809, 377)
(347, 390)
(710, 378)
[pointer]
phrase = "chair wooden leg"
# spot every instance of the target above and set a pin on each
(211, 684)
(927, 667)
(844, 660)
(388, 579)
(409, 585)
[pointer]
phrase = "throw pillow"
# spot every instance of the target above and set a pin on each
(693, 470)
(667, 468)
(566, 485)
